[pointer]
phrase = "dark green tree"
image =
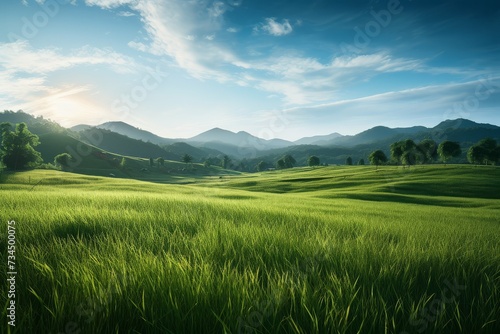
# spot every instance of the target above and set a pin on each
(348, 161)
(280, 164)
(485, 151)
(407, 149)
(476, 155)
(449, 149)
(18, 147)
(289, 161)
(151, 162)
(428, 150)
(186, 158)
(377, 158)
(397, 151)
(313, 161)
(62, 160)
(261, 166)
(226, 161)
(160, 161)
(361, 162)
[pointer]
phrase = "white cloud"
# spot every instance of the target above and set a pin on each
(275, 28)
(19, 56)
(125, 14)
(232, 30)
(27, 81)
(173, 27)
(303, 80)
(108, 4)
(185, 31)
(218, 9)
(138, 46)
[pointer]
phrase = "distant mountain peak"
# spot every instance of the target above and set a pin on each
(461, 123)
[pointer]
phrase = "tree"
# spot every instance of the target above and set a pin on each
(397, 151)
(377, 157)
(62, 160)
(348, 161)
(280, 164)
(449, 149)
(476, 154)
(492, 152)
(408, 158)
(410, 153)
(160, 161)
(361, 162)
(313, 161)
(261, 166)
(186, 158)
(151, 162)
(123, 163)
(4, 127)
(18, 147)
(207, 164)
(428, 149)
(406, 149)
(485, 151)
(289, 161)
(226, 160)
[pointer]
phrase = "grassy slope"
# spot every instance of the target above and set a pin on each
(91, 160)
(304, 251)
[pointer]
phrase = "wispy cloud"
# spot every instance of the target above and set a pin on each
(108, 4)
(126, 14)
(19, 56)
(185, 31)
(303, 80)
(273, 27)
(426, 105)
(26, 76)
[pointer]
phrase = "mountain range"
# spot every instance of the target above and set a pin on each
(244, 149)
(238, 143)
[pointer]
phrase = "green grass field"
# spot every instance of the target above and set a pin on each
(325, 250)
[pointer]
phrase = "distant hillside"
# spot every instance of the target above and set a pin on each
(123, 145)
(37, 125)
(318, 140)
(462, 123)
(241, 139)
(199, 154)
(135, 133)
(80, 127)
(52, 144)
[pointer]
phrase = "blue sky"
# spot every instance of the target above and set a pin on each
(276, 69)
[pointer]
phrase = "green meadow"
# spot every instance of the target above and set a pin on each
(325, 250)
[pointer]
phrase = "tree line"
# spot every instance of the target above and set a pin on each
(408, 153)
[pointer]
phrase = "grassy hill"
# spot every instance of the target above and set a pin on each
(123, 145)
(91, 160)
(353, 181)
(325, 250)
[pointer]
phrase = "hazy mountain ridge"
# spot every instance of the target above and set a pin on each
(244, 144)
(244, 148)
(133, 132)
